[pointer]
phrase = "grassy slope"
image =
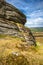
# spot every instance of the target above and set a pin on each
(37, 29)
(9, 44)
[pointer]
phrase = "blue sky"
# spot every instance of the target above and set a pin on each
(33, 9)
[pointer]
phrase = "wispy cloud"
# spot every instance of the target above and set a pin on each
(37, 13)
(35, 22)
(36, 19)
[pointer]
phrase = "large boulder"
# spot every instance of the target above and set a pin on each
(12, 23)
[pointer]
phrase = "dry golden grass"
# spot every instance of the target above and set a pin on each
(9, 45)
(39, 39)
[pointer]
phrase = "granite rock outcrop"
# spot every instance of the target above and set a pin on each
(12, 22)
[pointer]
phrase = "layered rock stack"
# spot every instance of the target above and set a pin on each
(12, 22)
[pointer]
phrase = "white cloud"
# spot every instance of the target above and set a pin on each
(36, 19)
(37, 13)
(34, 22)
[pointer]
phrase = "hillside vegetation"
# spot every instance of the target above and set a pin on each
(37, 29)
(15, 51)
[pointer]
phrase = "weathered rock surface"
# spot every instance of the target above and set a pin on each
(12, 23)
(11, 13)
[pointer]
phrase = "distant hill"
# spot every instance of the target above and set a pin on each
(37, 29)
